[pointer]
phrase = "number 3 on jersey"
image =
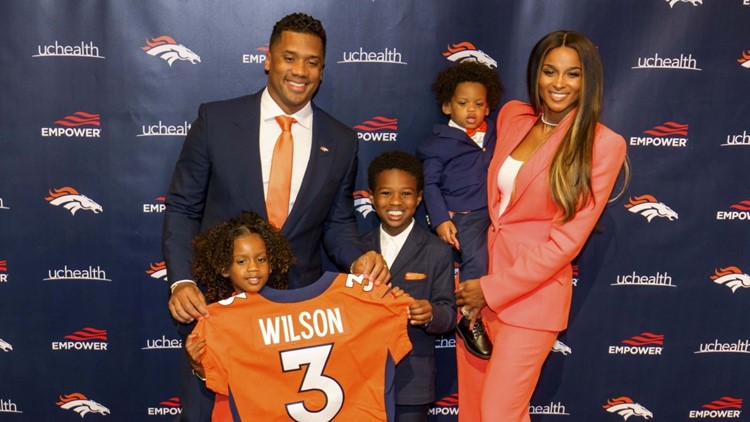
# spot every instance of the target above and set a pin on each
(315, 358)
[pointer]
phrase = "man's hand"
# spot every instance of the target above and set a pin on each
(187, 303)
(372, 265)
(447, 231)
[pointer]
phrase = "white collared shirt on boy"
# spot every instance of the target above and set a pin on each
(390, 246)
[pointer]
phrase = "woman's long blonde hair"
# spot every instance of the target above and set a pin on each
(570, 170)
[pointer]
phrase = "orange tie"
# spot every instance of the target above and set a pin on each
(280, 181)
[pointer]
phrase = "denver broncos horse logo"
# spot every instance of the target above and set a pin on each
(5, 346)
(72, 200)
(693, 2)
(158, 271)
(731, 277)
(649, 207)
(363, 203)
(745, 60)
(561, 347)
(466, 51)
(168, 49)
(81, 404)
(625, 407)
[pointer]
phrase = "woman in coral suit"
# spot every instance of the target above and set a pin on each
(552, 173)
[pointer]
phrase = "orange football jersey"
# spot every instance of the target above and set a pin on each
(312, 354)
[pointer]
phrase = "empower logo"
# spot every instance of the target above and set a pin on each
(643, 344)
(166, 48)
(168, 407)
(81, 404)
(668, 134)
(446, 406)
(88, 338)
(3, 271)
(258, 58)
(363, 203)
(73, 126)
(720, 408)
(626, 407)
(158, 207)
(158, 270)
(72, 201)
(378, 129)
(741, 211)
(731, 277)
(649, 207)
(466, 51)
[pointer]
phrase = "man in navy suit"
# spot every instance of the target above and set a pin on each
(224, 168)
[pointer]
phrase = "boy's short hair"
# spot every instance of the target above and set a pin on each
(395, 160)
(468, 71)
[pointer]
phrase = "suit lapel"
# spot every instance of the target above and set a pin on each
(411, 247)
(247, 120)
(316, 175)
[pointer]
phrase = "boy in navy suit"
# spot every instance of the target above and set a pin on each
(421, 265)
(455, 161)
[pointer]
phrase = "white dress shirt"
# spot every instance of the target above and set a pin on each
(390, 246)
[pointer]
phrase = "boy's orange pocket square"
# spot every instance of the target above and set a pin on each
(414, 276)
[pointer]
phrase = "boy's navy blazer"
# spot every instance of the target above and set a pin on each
(422, 253)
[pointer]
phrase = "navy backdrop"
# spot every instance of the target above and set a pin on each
(96, 98)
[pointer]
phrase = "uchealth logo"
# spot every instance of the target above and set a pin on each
(91, 273)
(693, 2)
(72, 200)
(169, 50)
(5, 346)
(561, 347)
(75, 126)
(626, 407)
(634, 279)
(81, 404)
(162, 343)
(553, 408)
(649, 207)
(716, 346)
(447, 406)
(256, 58)
(744, 61)
(391, 56)
(7, 406)
(378, 129)
(731, 277)
(157, 270)
(668, 134)
(740, 211)
(466, 51)
(161, 129)
(725, 408)
(88, 338)
(682, 62)
(167, 407)
(363, 203)
(84, 49)
(643, 344)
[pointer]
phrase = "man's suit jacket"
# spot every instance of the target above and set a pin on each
(218, 175)
(530, 277)
(422, 253)
(455, 171)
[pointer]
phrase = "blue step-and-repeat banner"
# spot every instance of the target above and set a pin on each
(96, 97)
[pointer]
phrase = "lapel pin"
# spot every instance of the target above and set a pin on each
(324, 149)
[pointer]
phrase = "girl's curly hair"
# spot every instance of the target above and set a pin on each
(214, 250)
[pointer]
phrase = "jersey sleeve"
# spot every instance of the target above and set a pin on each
(217, 378)
(399, 344)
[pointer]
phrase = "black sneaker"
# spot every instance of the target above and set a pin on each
(476, 340)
